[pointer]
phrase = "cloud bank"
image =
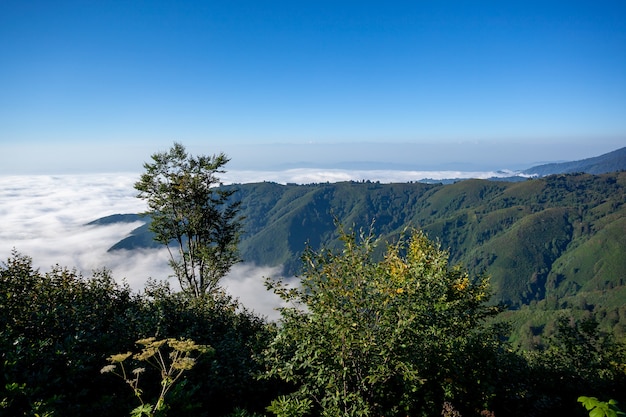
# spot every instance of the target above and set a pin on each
(313, 175)
(45, 217)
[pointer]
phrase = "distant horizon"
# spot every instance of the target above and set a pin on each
(22, 159)
(309, 175)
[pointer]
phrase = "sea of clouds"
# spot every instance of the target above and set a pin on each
(46, 216)
(313, 175)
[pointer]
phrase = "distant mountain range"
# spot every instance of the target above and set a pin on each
(609, 162)
(557, 238)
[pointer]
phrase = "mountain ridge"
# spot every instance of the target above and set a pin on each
(602, 164)
(517, 232)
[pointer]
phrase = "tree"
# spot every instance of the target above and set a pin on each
(190, 212)
(387, 338)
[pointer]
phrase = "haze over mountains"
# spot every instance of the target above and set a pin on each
(309, 172)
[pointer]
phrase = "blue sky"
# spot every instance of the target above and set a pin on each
(88, 85)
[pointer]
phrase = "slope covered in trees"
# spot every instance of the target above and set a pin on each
(549, 243)
(553, 236)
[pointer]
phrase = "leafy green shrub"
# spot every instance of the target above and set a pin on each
(599, 408)
(285, 406)
(55, 330)
(578, 358)
(391, 337)
(58, 328)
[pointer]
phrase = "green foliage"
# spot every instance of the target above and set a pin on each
(580, 347)
(285, 406)
(577, 358)
(55, 328)
(389, 337)
(240, 412)
(187, 208)
(599, 408)
(228, 379)
(58, 328)
(171, 367)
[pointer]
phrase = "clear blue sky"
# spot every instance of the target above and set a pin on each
(96, 84)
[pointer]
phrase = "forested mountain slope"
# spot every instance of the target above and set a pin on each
(541, 238)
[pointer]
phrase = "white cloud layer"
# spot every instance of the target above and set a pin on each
(313, 175)
(45, 218)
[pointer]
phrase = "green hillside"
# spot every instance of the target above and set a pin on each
(558, 239)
